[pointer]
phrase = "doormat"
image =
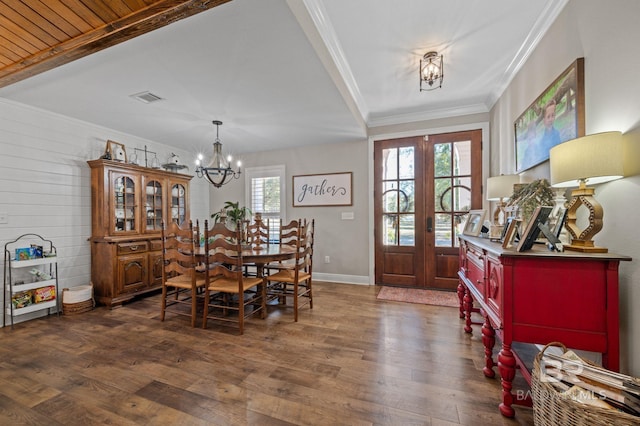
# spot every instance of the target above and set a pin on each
(418, 295)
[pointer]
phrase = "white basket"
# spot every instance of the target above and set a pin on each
(77, 294)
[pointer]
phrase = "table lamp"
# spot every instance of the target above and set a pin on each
(592, 159)
(500, 188)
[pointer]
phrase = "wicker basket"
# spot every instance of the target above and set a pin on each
(554, 408)
(77, 300)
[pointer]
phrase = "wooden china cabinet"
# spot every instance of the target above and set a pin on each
(129, 203)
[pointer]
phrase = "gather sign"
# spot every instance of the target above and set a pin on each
(333, 189)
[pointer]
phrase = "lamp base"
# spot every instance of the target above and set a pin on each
(578, 246)
(582, 239)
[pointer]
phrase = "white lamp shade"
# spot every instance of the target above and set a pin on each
(596, 158)
(499, 187)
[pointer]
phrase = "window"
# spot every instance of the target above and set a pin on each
(265, 192)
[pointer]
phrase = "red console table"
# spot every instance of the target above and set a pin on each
(538, 296)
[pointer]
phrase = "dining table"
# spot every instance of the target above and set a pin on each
(259, 256)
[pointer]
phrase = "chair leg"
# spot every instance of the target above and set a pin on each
(163, 304)
(241, 312)
(295, 301)
(194, 307)
(310, 292)
(205, 312)
(264, 299)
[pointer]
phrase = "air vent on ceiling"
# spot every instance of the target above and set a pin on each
(146, 97)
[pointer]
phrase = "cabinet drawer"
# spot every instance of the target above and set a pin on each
(133, 247)
(156, 245)
(475, 270)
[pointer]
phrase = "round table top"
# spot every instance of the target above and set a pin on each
(266, 254)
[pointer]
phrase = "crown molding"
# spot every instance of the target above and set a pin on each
(428, 115)
(318, 15)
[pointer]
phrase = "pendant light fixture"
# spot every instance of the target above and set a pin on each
(219, 170)
(431, 71)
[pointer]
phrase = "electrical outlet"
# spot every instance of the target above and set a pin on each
(4, 218)
(327, 259)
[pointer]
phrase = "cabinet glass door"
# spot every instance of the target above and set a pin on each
(178, 204)
(153, 205)
(125, 204)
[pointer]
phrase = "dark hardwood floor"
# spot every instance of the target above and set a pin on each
(352, 360)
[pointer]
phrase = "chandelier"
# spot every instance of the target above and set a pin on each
(431, 71)
(219, 170)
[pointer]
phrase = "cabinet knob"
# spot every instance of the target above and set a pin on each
(133, 248)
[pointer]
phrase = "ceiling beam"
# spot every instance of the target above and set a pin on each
(156, 15)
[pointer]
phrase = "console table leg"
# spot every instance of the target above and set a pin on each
(506, 365)
(461, 298)
(489, 341)
(468, 306)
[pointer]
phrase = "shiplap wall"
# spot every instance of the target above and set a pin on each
(45, 185)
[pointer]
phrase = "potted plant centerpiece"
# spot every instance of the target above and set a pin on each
(232, 215)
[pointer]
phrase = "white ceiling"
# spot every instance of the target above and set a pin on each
(285, 73)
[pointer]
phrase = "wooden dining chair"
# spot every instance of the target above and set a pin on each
(258, 238)
(230, 296)
(294, 280)
(182, 279)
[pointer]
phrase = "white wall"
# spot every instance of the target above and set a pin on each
(606, 34)
(346, 242)
(45, 185)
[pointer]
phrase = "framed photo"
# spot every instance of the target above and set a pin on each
(333, 189)
(510, 232)
(474, 222)
(556, 116)
(115, 151)
(530, 234)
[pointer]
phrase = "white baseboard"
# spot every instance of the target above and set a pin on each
(338, 278)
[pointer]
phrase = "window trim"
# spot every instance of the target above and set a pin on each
(262, 172)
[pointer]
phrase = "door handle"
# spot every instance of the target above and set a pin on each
(429, 224)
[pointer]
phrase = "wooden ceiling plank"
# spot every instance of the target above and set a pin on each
(119, 7)
(40, 22)
(84, 12)
(138, 4)
(11, 51)
(20, 37)
(28, 26)
(160, 14)
(69, 15)
(55, 19)
(102, 10)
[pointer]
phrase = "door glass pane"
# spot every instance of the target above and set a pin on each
(443, 194)
(407, 196)
(390, 163)
(407, 230)
(442, 159)
(389, 226)
(398, 196)
(153, 205)
(178, 204)
(125, 204)
(452, 168)
(407, 163)
(443, 230)
(390, 197)
(462, 158)
(462, 194)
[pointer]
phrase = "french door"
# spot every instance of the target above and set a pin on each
(423, 188)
